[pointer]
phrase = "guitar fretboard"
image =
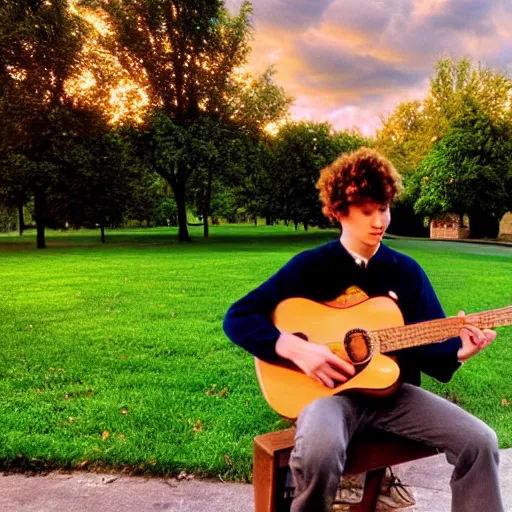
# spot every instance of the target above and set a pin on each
(433, 331)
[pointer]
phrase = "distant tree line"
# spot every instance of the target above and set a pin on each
(137, 111)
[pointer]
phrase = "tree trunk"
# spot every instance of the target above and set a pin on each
(40, 214)
(208, 201)
(305, 226)
(256, 220)
(296, 224)
(21, 219)
(179, 195)
(102, 229)
(206, 227)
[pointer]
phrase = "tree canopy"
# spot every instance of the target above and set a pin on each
(40, 45)
(468, 172)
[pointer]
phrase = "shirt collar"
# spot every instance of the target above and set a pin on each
(358, 258)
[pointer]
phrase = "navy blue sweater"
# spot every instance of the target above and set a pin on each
(323, 274)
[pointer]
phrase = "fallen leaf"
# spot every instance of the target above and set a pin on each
(505, 403)
(198, 426)
(182, 475)
(124, 411)
(211, 391)
(82, 464)
(105, 434)
(66, 397)
(71, 419)
(228, 461)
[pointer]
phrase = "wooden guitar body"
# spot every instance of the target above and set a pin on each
(288, 390)
(360, 330)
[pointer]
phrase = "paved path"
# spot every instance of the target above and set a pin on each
(88, 492)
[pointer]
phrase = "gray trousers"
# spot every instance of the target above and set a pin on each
(325, 427)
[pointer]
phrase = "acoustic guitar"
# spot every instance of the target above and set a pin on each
(362, 333)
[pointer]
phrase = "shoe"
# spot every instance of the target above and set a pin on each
(350, 491)
(394, 495)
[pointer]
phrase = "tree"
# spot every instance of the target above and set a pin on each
(102, 176)
(403, 137)
(214, 143)
(409, 132)
(150, 200)
(301, 150)
(255, 101)
(187, 52)
(13, 186)
(467, 172)
(40, 45)
(253, 191)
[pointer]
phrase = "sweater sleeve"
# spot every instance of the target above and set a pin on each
(248, 321)
(439, 360)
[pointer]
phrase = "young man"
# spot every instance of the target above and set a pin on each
(356, 191)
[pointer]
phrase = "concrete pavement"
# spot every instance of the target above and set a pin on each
(91, 492)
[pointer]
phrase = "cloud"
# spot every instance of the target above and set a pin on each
(464, 16)
(335, 68)
(295, 14)
(356, 59)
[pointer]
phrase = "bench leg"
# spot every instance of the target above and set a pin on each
(372, 486)
(264, 475)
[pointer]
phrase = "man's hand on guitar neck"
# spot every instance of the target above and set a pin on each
(473, 340)
(315, 360)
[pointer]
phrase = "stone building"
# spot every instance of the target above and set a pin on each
(506, 226)
(448, 227)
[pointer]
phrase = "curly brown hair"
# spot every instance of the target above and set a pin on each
(363, 175)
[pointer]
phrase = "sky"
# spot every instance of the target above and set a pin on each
(349, 62)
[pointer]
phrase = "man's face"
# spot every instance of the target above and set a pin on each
(366, 222)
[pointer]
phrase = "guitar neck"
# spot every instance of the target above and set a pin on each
(433, 331)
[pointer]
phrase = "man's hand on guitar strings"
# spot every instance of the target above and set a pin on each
(473, 340)
(315, 360)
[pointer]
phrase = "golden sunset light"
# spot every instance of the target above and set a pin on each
(106, 81)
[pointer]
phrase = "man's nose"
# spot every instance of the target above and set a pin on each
(378, 221)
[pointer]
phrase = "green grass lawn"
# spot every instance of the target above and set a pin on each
(114, 355)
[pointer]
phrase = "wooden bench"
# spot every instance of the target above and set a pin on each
(368, 455)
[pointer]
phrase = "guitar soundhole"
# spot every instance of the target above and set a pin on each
(359, 346)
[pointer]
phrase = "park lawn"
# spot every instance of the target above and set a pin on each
(114, 356)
